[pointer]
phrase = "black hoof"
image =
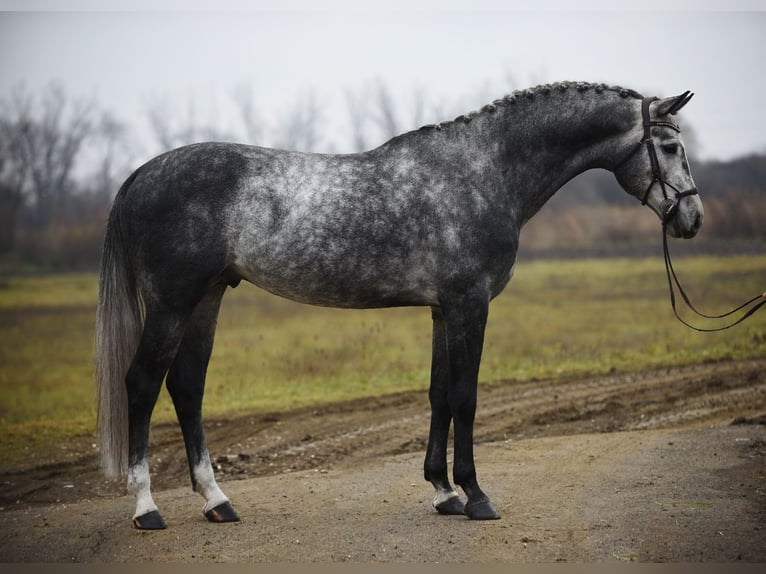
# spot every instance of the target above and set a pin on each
(452, 505)
(481, 509)
(150, 521)
(224, 512)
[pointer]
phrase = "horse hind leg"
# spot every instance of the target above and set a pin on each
(163, 331)
(186, 384)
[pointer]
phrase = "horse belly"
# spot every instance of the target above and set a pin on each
(337, 282)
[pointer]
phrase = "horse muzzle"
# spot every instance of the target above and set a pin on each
(682, 216)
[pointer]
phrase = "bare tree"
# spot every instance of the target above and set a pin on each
(10, 201)
(174, 127)
(41, 142)
(358, 114)
(13, 174)
(251, 125)
(419, 113)
(113, 158)
(386, 116)
(300, 129)
(373, 108)
(158, 114)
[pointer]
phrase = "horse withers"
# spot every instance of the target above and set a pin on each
(430, 218)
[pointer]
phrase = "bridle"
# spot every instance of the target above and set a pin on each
(667, 210)
(668, 207)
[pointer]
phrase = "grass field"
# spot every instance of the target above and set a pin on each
(555, 319)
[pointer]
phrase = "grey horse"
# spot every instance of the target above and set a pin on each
(430, 218)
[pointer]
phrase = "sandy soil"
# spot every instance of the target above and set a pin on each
(639, 467)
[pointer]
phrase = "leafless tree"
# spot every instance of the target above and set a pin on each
(250, 123)
(41, 141)
(300, 128)
(358, 115)
(386, 115)
(174, 126)
(419, 108)
(374, 114)
(10, 201)
(12, 177)
(114, 156)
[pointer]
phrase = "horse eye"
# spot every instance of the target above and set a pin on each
(670, 148)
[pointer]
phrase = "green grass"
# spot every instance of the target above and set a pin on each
(555, 319)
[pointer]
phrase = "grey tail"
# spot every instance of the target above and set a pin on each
(119, 323)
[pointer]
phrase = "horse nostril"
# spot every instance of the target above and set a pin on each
(697, 221)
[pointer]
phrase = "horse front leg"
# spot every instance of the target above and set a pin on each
(447, 500)
(465, 318)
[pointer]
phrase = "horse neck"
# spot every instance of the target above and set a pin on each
(553, 136)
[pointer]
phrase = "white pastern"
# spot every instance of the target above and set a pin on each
(206, 484)
(139, 485)
(443, 496)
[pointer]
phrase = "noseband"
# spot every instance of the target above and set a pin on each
(668, 206)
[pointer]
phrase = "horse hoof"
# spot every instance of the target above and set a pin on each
(481, 509)
(150, 521)
(224, 512)
(452, 505)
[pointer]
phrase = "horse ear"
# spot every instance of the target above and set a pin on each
(673, 105)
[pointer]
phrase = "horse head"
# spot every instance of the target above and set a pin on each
(657, 172)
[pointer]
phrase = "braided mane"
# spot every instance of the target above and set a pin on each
(532, 93)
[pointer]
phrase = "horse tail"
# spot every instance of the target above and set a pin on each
(119, 323)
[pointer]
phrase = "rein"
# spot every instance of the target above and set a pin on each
(673, 279)
(667, 209)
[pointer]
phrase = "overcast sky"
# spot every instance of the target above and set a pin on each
(449, 50)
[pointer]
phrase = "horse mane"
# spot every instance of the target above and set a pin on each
(532, 93)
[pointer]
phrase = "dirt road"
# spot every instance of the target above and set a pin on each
(641, 467)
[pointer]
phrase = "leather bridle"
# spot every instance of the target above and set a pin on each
(669, 205)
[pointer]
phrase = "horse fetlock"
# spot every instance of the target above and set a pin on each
(465, 477)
